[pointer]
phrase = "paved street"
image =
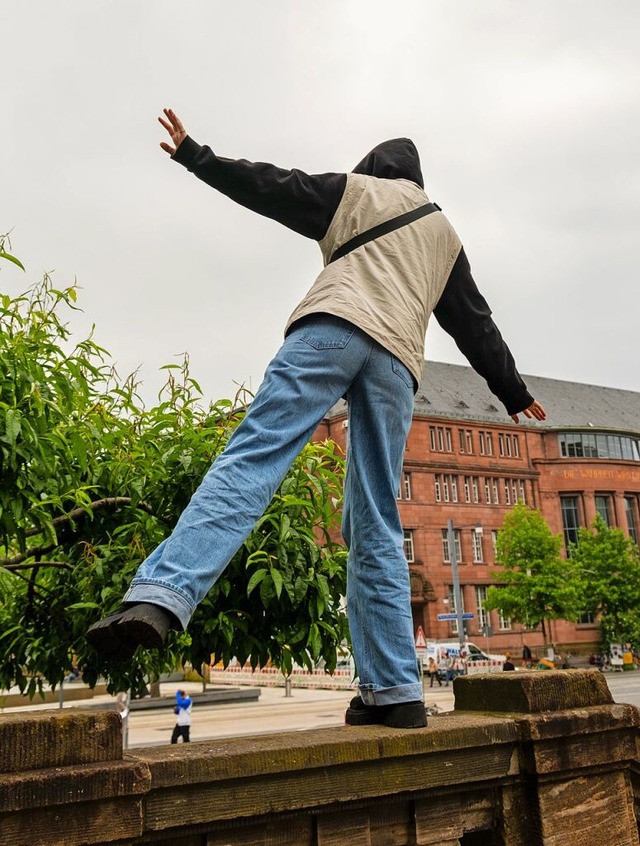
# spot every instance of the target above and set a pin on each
(625, 687)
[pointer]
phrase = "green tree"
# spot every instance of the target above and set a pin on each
(91, 481)
(535, 583)
(608, 567)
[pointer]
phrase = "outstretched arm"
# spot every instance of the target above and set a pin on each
(463, 312)
(303, 202)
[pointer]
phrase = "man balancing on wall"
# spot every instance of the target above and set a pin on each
(358, 333)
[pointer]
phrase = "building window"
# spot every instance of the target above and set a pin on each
(453, 481)
(483, 614)
(440, 439)
(570, 520)
(446, 556)
(404, 491)
(474, 488)
(465, 437)
(486, 443)
(496, 496)
(467, 489)
(508, 446)
(487, 491)
(598, 445)
(586, 619)
(494, 541)
(523, 494)
(504, 623)
(408, 545)
(476, 545)
(507, 492)
(446, 488)
(630, 507)
(603, 507)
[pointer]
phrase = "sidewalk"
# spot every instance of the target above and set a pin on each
(271, 712)
(306, 708)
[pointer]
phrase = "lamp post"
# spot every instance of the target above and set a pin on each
(457, 593)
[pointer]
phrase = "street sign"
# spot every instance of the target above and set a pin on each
(421, 641)
(465, 616)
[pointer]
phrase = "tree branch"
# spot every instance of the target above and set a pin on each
(77, 513)
(99, 504)
(35, 564)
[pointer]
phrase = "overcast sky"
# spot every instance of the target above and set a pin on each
(526, 115)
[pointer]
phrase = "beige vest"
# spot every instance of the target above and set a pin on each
(390, 286)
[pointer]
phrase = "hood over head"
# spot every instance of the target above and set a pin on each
(394, 159)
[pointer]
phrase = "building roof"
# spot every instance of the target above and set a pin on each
(456, 391)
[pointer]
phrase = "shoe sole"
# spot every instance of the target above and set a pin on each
(400, 716)
(118, 635)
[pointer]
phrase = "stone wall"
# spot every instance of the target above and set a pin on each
(526, 759)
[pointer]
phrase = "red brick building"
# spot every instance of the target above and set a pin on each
(466, 461)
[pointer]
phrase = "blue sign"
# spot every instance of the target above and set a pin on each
(465, 616)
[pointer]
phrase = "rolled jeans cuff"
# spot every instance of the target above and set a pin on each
(371, 695)
(159, 593)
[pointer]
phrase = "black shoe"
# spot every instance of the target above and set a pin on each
(402, 715)
(132, 625)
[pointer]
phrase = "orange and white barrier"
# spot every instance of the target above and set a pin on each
(494, 665)
(273, 677)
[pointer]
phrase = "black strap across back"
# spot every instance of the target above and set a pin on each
(384, 229)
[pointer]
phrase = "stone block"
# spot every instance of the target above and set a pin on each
(531, 692)
(586, 811)
(58, 738)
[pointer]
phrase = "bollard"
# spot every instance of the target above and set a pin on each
(287, 686)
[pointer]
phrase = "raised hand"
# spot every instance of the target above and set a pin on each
(534, 410)
(176, 130)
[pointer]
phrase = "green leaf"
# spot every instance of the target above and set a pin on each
(276, 575)
(12, 426)
(255, 580)
(12, 259)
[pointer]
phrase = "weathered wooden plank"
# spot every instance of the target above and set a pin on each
(33, 741)
(438, 822)
(72, 785)
(392, 823)
(588, 811)
(340, 828)
(531, 693)
(245, 757)
(286, 830)
(583, 752)
(322, 786)
(99, 823)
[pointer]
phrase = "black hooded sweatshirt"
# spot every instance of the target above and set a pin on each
(307, 203)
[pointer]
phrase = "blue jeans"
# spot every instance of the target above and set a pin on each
(322, 359)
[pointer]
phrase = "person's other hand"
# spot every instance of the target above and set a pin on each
(175, 129)
(534, 410)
